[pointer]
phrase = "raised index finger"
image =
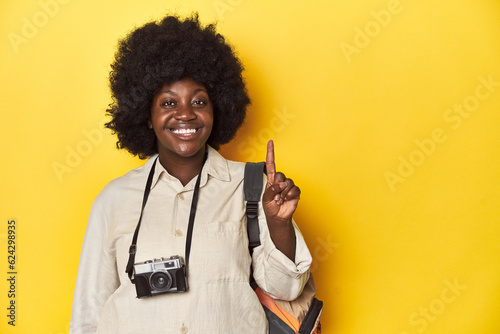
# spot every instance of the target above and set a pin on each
(270, 166)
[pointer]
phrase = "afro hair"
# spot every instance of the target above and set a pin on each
(158, 54)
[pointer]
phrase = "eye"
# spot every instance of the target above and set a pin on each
(199, 102)
(168, 103)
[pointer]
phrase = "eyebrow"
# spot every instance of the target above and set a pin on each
(174, 93)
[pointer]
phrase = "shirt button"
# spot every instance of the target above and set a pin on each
(178, 233)
(181, 196)
(184, 329)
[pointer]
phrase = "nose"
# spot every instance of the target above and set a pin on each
(185, 112)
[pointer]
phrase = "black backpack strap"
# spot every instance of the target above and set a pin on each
(252, 187)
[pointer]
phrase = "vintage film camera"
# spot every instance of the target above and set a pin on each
(160, 276)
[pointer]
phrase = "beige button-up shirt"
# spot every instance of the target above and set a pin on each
(219, 299)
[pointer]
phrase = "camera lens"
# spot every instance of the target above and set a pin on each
(161, 281)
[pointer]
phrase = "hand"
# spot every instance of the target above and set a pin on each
(281, 196)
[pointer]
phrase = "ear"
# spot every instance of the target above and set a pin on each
(150, 125)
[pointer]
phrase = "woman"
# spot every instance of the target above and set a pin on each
(178, 95)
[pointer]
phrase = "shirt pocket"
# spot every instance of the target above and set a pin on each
(226, 253)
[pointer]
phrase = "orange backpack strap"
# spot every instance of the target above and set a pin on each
(277, 311)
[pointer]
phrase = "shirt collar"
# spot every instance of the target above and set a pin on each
(216, 166)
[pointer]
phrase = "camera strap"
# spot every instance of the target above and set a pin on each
(133, 247)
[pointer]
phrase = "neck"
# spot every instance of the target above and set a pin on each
(183, 168)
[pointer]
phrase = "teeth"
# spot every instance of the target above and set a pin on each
(183, 131)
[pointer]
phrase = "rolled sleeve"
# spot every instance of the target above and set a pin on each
(274, 272)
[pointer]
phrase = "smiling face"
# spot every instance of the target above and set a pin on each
(182, 119)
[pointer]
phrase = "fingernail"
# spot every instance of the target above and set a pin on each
(277, 197)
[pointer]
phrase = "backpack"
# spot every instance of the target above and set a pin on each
(301, 315)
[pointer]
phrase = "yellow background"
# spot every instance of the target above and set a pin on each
(345, 88)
